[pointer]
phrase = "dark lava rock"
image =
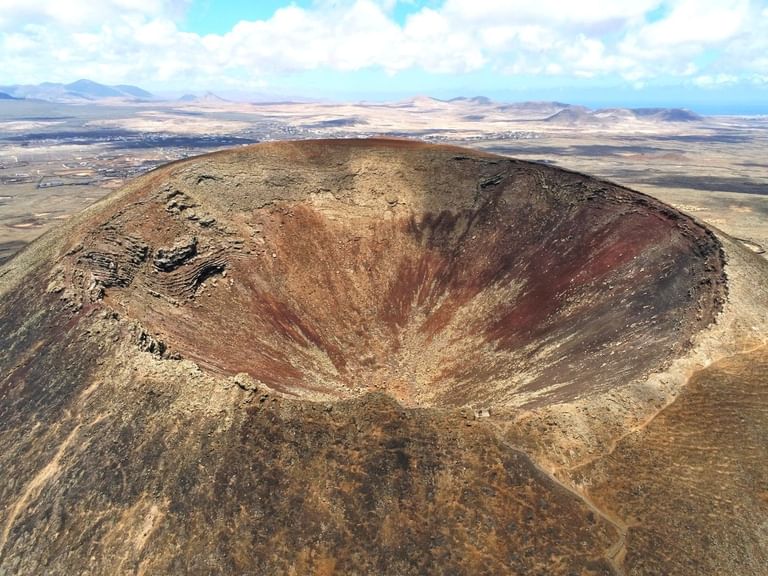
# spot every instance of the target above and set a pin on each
(167, 259)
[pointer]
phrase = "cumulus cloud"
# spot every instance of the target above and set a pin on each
(710, 81)
(78, 13)
(142, 40)
(568, 14)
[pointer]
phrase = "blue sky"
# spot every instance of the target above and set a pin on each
(710, 55)
(219, 17)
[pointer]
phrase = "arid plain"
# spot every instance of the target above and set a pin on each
(56, 159)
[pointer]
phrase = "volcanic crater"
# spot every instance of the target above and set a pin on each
(328, 269)
(382, 357)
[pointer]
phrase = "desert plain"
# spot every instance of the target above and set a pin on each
(58, 158)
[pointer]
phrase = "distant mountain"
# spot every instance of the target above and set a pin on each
(652, 114)
(581, 116)
(536, 105)
(207, 98)
(91, 89)
(134, 91)
(614, 114)
(4, 96)
(533, 110)
(474, 100)
(573, 115)
(566, 114)
(211, 97)
(422, 102)
(76, 91)
(666, 114)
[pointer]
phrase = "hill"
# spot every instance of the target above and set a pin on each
(134, 91)
(667, 114)
(206, 98)
(579, 115)
(381, 357)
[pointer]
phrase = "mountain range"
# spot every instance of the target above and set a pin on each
(552, 112)
(76, 91)
(556, 113)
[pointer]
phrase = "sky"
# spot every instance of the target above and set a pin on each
(710, 55)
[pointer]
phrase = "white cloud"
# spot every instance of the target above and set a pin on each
(708, 81)
(140, 40)
(78, 13)
(691, 24)
(548, 11)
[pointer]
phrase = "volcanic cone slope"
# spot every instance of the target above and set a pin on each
(314, 357)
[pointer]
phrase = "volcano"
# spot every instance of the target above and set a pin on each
(381, 356)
